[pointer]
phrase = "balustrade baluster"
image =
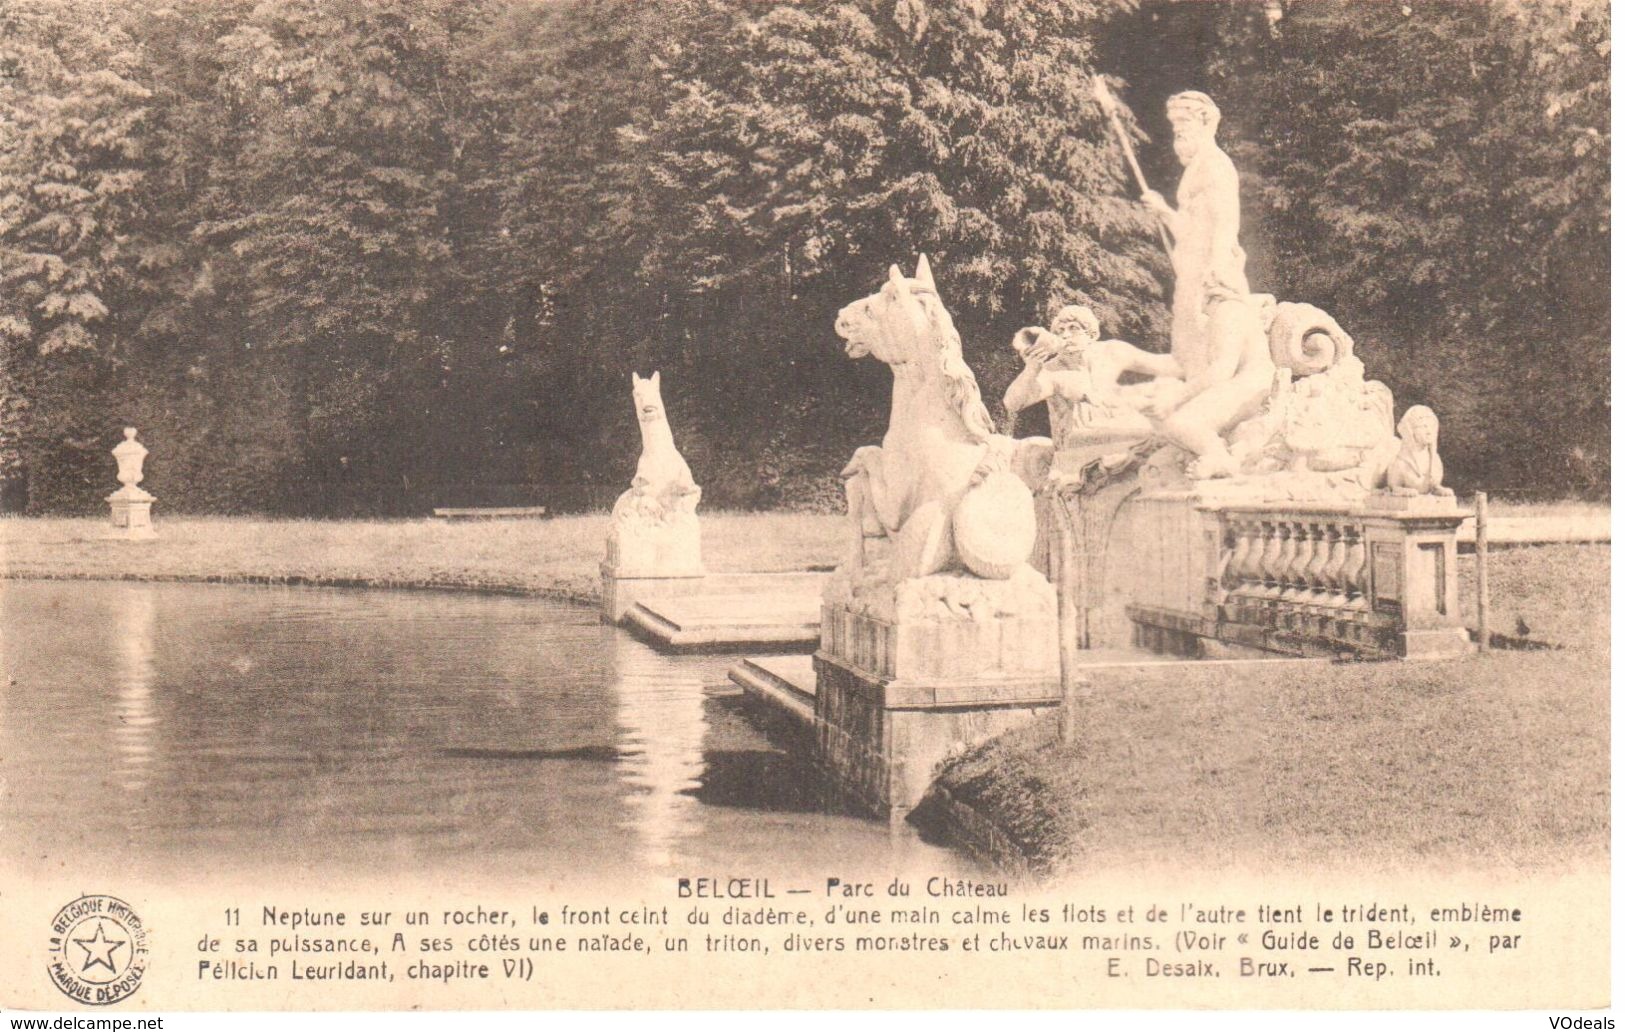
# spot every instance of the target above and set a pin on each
(1267, 572)
(1303, 551)
(1353, 572)
(1315, 573)
(1333, 573)
(1241, 566)
(1219, 586)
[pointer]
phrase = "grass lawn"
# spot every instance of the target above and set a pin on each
(1488, 762)
(557, 557)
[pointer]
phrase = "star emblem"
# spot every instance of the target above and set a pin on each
(99, 949)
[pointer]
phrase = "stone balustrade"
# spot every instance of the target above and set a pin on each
(1297, 573)
(1300, 558)
(1310, 580)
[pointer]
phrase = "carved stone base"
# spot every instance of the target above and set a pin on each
(621, 592)
(1166, 564)
(131, 514)
(1384, 501)
(639, 546)
(896, 697)
(649, 558)
(1413, 578)
(885, 755)
(946, 628)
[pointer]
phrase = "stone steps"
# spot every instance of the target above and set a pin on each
(720, 622)
(781, 684)
(718, 612)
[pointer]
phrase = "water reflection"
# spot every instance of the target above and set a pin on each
(134, 619)
(661, 715)
(265, 729)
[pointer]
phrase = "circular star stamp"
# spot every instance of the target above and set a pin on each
(98, 950)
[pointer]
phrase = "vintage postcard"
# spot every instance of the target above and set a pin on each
(527, 505)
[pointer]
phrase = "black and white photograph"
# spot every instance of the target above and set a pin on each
(728, 505)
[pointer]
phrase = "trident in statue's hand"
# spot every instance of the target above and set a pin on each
(1109, 104)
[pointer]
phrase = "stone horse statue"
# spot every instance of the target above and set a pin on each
(939, 486)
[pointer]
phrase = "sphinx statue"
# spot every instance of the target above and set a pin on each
(1415, 468)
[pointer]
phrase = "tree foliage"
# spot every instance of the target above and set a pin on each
(1436, 174)
(73, 114)
(371, 256)
(798, 150)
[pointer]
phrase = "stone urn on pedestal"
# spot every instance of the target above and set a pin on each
(131, 506)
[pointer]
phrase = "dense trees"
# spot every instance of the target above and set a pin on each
(1441, 184)
(368, 257)
(73, 114)
(797, 151)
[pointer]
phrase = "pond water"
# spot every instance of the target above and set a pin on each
(254, 729)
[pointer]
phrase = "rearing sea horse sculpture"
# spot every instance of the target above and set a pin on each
(939, 486)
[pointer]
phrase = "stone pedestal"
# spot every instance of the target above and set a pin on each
(132, 514)
(900, 691)
(1413, 576)
(621, 592)
(649, 558)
